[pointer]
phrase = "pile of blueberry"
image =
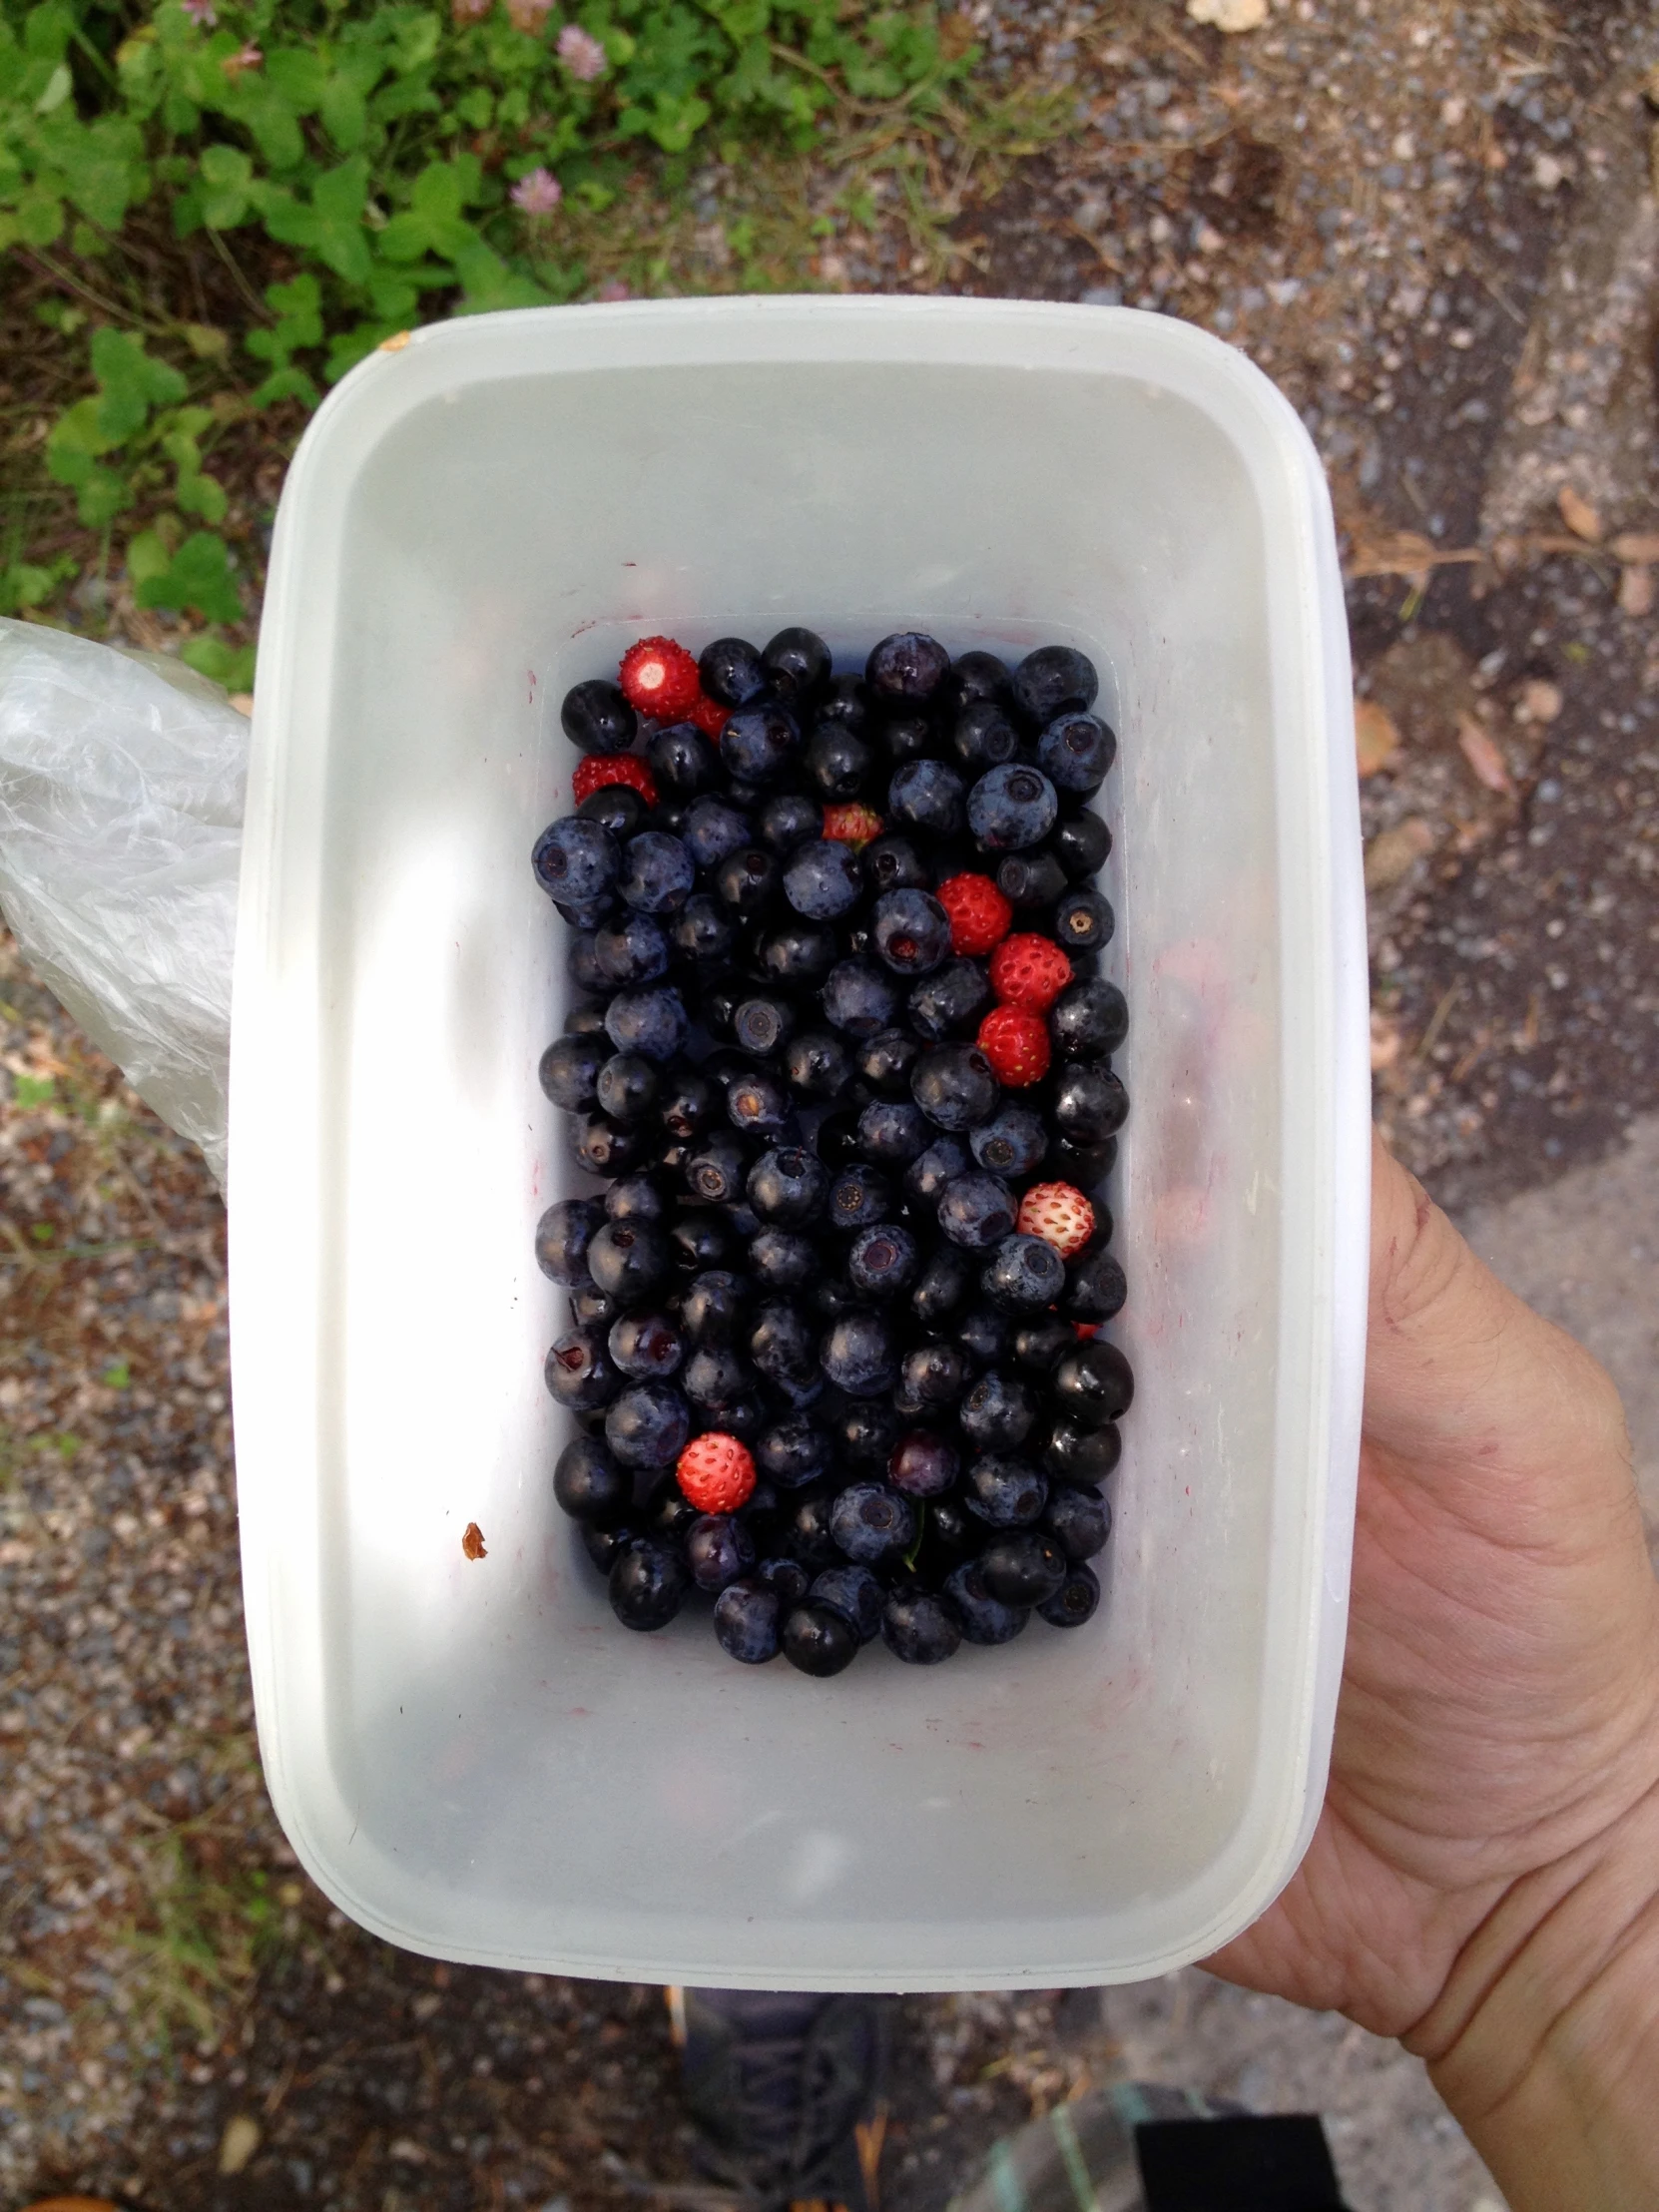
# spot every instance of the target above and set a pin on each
(842, 1050)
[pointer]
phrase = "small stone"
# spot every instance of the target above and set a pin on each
(238, 2142)
(1393, 853)
(1636, 590)
(1376, 736)
(1540, 701)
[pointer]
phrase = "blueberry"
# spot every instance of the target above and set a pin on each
(652, 1022)
(604, 1545)
(1079, 1521)
(1053, 681)
(923, 1463)
(1075, 1601)
(858, 998)
(578, 1373)
(613, 807)
(1014, 1143)
(928, 1173)
(793, 1452)
(596, 717)
(817, 1065)
(817, 1640)
(944, 1284)
(1084, 1166)
(757, 1103)
(1042, 1344)
(786, 1578)
(984, 1335)
(1084, 921)
(781, 1346)
(628, 1086)
(1075, 752)
(718, 1168)
(718, 1379)
(951, 1529)
(882, 1261)
(1025, 1567)
(933, 1374)
(1074, 1453)
(646, 1345)
(954, 1087)
(646, 1586)
(714, 1307)
(630, 1261)
(1012, 807)
(919, 1627)
(891, 1131)
(927, 796)
(906, 738)
(591, 1309)
(689, 1103)
(975, 676)
(683, 760)
(582, 962)
(569, 1072)
(893, 865)
(833, 1294)
(586, 1020)
(1008, 1493)
(840, 764)
(631, 949)
(799, 952)
(1089, 1021)
(787, 819)
(872, 1522)
(757, 741)
(575, 860)
(907, 668)
(788, 1187)
(858, 1355)
(731, 670)
(780, 1260)
(858, 1197)
(886, 1061)
(746, 1621)
(713, 830)
(865, 1432)
(657, 872)
(590, 1485)
(855, 1593)
(762, 1025)
(563, 1235)
(797, 663)
(846, 703)
(1034, 879)
(747, 880)
(1024, 1274)
(718, 1547)
(585, 920)
(1094, 1384)
(1081, 842)
(998, 1413)
(985, 1619)
(983, 736)
(1095, 1288)
(977, 1211)
(822, 879)
(702, 932)
(1089, 1103)
(636, 1197)
(606, 1147)
(912, 931)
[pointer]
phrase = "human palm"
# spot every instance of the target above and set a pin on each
(1500, 1692)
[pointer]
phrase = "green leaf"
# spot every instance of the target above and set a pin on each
(344, 113)
(33, 1091)
(226, 173)
(332, 227)
(221, 662)
(300, 75)
(197, 578)
(146, 556)
(118, 1375)
(432, 223)
(48, 30)
(39, 216)
(133, 382)
(58, 88)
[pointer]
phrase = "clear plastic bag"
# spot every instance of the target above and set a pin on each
(121, 778)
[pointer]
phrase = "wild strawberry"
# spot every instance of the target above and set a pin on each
(599, 769)
(716, 1472)
(709, 716)
(1059, 1214)
(851, 825)
(659, 679)
(980, 917)
(1015, 1041)
(1029, 972)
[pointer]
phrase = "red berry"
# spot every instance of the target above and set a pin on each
(980, 917)
(1015, 1041)
(716, 1472)
(659, 679)
(600, 768)
(1059, 1214)
(851, 825)
(709, 716)
(1029, 972)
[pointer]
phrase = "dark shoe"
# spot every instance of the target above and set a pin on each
(788, 2092)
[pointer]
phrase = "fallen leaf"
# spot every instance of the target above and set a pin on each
(1230, 16)
(1636, 589)
(1376, 736)
(238, 2142)
(1540, 701)
(395, 343)
(1393, 853)
(1579, 515)
(472, 1541)
(1636, 545)
(243, 701)
(1483, 756)
(1385, 1042)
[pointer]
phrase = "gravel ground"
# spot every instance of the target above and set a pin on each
(1433, 226)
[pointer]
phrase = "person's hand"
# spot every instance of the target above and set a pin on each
(1495, 1774)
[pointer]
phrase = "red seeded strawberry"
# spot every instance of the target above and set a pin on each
(600, 768)
(716, 1472)
(709, 716)
(1059, 1214)
(1015, 1041)
(659, 679)
(851, 825)
(1029, 972)
(980, 917)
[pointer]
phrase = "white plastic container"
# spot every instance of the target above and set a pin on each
(471, 1758)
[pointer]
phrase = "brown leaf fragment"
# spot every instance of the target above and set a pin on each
(472, 1541)
(1636, 589)
(1491, 767)
(1384, 1041)
(1376, 736)
(1579, 515)
(1393, 853)
(1640, 546)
